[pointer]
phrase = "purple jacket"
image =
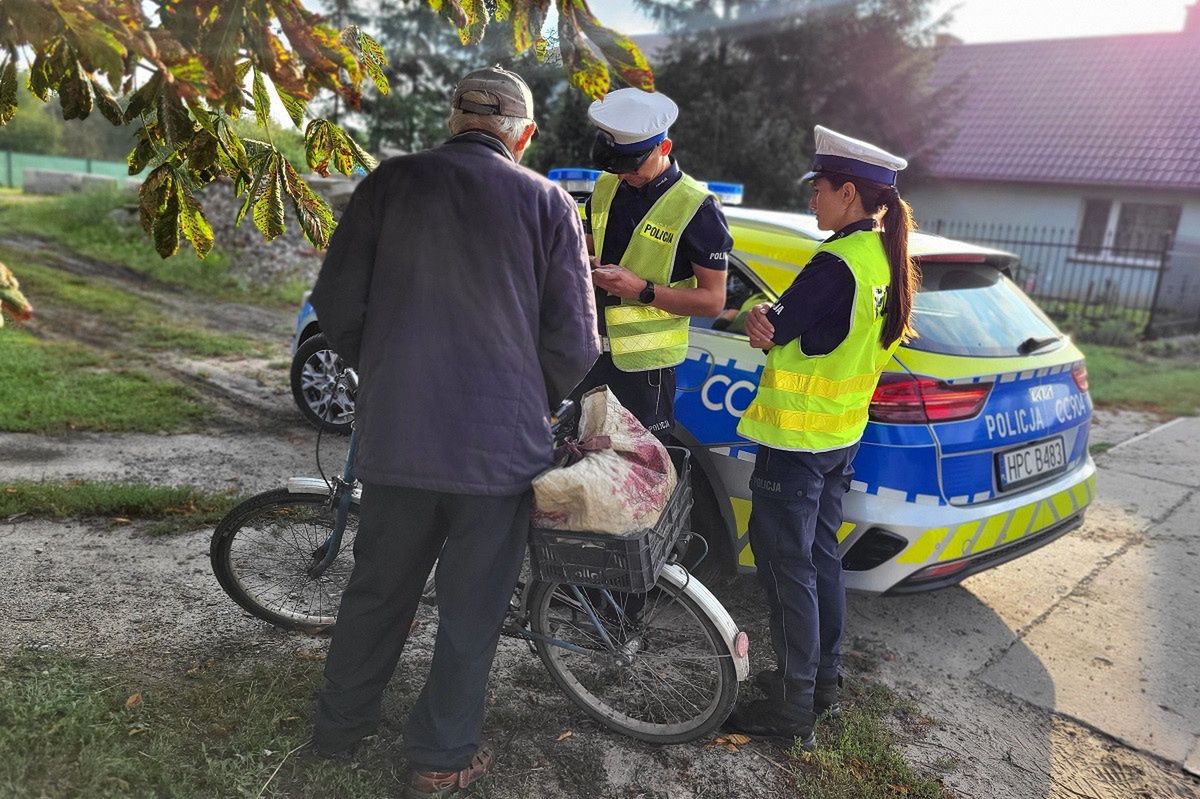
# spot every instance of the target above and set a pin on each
(457, 283)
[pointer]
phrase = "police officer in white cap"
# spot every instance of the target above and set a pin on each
(828, 337)
(660, 246)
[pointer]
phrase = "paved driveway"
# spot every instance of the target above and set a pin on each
(1074, 671)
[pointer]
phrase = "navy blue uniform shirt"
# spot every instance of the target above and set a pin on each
(818, 306)
(705, 241)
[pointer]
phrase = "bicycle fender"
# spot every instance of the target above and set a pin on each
(675, 574)
(315, 485)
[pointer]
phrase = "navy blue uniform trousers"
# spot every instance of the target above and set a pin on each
(794, 520)
(479, 545)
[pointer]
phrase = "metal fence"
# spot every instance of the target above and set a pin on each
(13, 164)
(1120, 278)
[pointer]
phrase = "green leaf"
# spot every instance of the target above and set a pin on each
(503, 9)
(8, 92)
(233, 148)
(262, 101)
(75, 93)
(144, 151)
(295, 108)
(318, 145)
(107, 104)
(39, 82)
(313, 212)
(202, 153)
(195, 225)
(165, 227)
(202, 116)
(152, 195)
(619, 50)
(374, 61)
(174, 119)
(477, 16)
(145, 98)
(268, 207)
(93, 39)
(359, 155)
(586, 72)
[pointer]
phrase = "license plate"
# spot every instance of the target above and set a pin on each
(1018, 467)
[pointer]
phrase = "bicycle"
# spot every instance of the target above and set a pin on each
(667, 674)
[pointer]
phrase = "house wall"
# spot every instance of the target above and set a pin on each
(1039, 223)
(1024, 205)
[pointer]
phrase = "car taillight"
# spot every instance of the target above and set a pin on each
(904, 399)
(1080, 375)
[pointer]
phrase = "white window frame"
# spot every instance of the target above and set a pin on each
(1106, 255)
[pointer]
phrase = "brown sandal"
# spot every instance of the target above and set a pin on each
(443, 784)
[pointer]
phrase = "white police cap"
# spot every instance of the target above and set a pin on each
(634, 118)
(837, 152)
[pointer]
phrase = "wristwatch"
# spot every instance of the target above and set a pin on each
(647, 295)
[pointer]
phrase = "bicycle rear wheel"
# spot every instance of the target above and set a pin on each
(663, 677)
(261, 552)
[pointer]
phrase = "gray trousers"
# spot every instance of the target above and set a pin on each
(401, 533)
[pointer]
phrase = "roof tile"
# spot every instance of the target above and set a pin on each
(1113, 110)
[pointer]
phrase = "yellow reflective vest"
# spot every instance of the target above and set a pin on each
(642, 337)
(817, 403)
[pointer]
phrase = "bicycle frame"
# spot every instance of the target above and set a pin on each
(343, 493)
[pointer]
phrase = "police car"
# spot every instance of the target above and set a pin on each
(976, 451)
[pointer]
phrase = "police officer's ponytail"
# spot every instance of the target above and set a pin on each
(905, 274)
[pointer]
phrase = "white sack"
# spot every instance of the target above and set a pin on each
(621, 484)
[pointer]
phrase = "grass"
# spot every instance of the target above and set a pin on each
(1167, 384)
(48, 387)
(121, 310)
(174, 508)
(71, 727)
(857, 755)
(81, 222)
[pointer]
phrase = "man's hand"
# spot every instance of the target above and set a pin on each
(758, 328)
(618, 280)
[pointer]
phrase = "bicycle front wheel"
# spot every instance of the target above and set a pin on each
(261, 552)
(661, 674)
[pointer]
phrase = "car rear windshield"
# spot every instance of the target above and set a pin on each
(973, 309)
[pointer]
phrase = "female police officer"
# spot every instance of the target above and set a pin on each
(828, 337)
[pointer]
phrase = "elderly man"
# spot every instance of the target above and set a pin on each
(457, 283)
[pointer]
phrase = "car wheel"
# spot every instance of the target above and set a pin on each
(315, 369)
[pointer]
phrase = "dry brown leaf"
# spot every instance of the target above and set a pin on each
(133, 701)
(10, 490)
(564, 735)
(731, 747)
(738, 739)
(120, 520)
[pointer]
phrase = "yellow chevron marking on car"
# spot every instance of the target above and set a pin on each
(1080, 495)
(959, 541)
(923, 548)
(1063, 504)
(1024, 521)
(1019, 525)
(741, 520)
(992, 530)
(741, 515)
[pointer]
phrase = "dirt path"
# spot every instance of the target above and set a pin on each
(243, 392)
